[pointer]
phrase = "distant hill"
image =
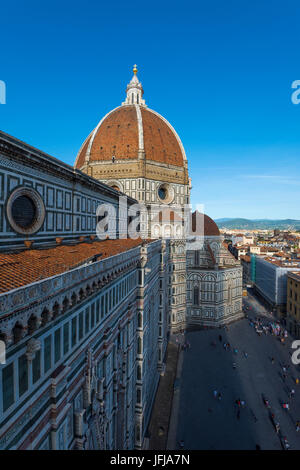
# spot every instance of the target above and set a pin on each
(263, 224)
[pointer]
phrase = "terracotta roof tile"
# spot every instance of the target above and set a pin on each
(20, 269)
(210, 227)
(160, 143)
(118, 136)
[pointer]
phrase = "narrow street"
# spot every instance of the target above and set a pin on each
(204, 422)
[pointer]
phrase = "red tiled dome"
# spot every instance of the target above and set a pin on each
(210, 228)
(126, 131)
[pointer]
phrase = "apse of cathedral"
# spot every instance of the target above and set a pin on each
(85, 322)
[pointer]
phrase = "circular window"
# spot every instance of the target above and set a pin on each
(165, 193)
(25, 210)
(162, 193)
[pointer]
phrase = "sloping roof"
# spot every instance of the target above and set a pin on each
(20, 269)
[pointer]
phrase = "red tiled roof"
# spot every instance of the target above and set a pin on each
(160, 143)
(210, 227)
(118, 136)
(20, 269)
(295, 275)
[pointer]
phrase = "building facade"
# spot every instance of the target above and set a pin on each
(214, 278)
(84, 322)
(293, 303)
(152, 167)
(246, 267)
(137, 151)
(85, 319)
(271, 282)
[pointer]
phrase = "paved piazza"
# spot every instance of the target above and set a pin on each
(204, 422)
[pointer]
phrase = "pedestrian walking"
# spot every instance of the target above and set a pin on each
(220, 338)
(292, 393)
(285, 443)
(297, 426)
(219, 396)
(215, 392)
(245, 354)
(253, 415)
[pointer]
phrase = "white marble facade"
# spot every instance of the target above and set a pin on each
(214, 283)
(84, 348)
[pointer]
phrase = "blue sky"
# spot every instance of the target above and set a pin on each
(220, 72)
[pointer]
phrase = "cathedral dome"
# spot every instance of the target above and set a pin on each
(131, 132)
(204, 225)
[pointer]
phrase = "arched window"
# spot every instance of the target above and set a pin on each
(196, 295)
(229, 294)
(140, 346)
(17, 332)
(32, 324)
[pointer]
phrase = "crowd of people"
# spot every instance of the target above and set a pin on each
(263, 326)
(269, 328)
(182, 343)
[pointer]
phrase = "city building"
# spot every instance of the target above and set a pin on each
(240, 251)
(293, 303)
(246, 267)
(214, 277)
(84, 321)
(271, 282)
(137, 151)
(85, 318)
(241, 238)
